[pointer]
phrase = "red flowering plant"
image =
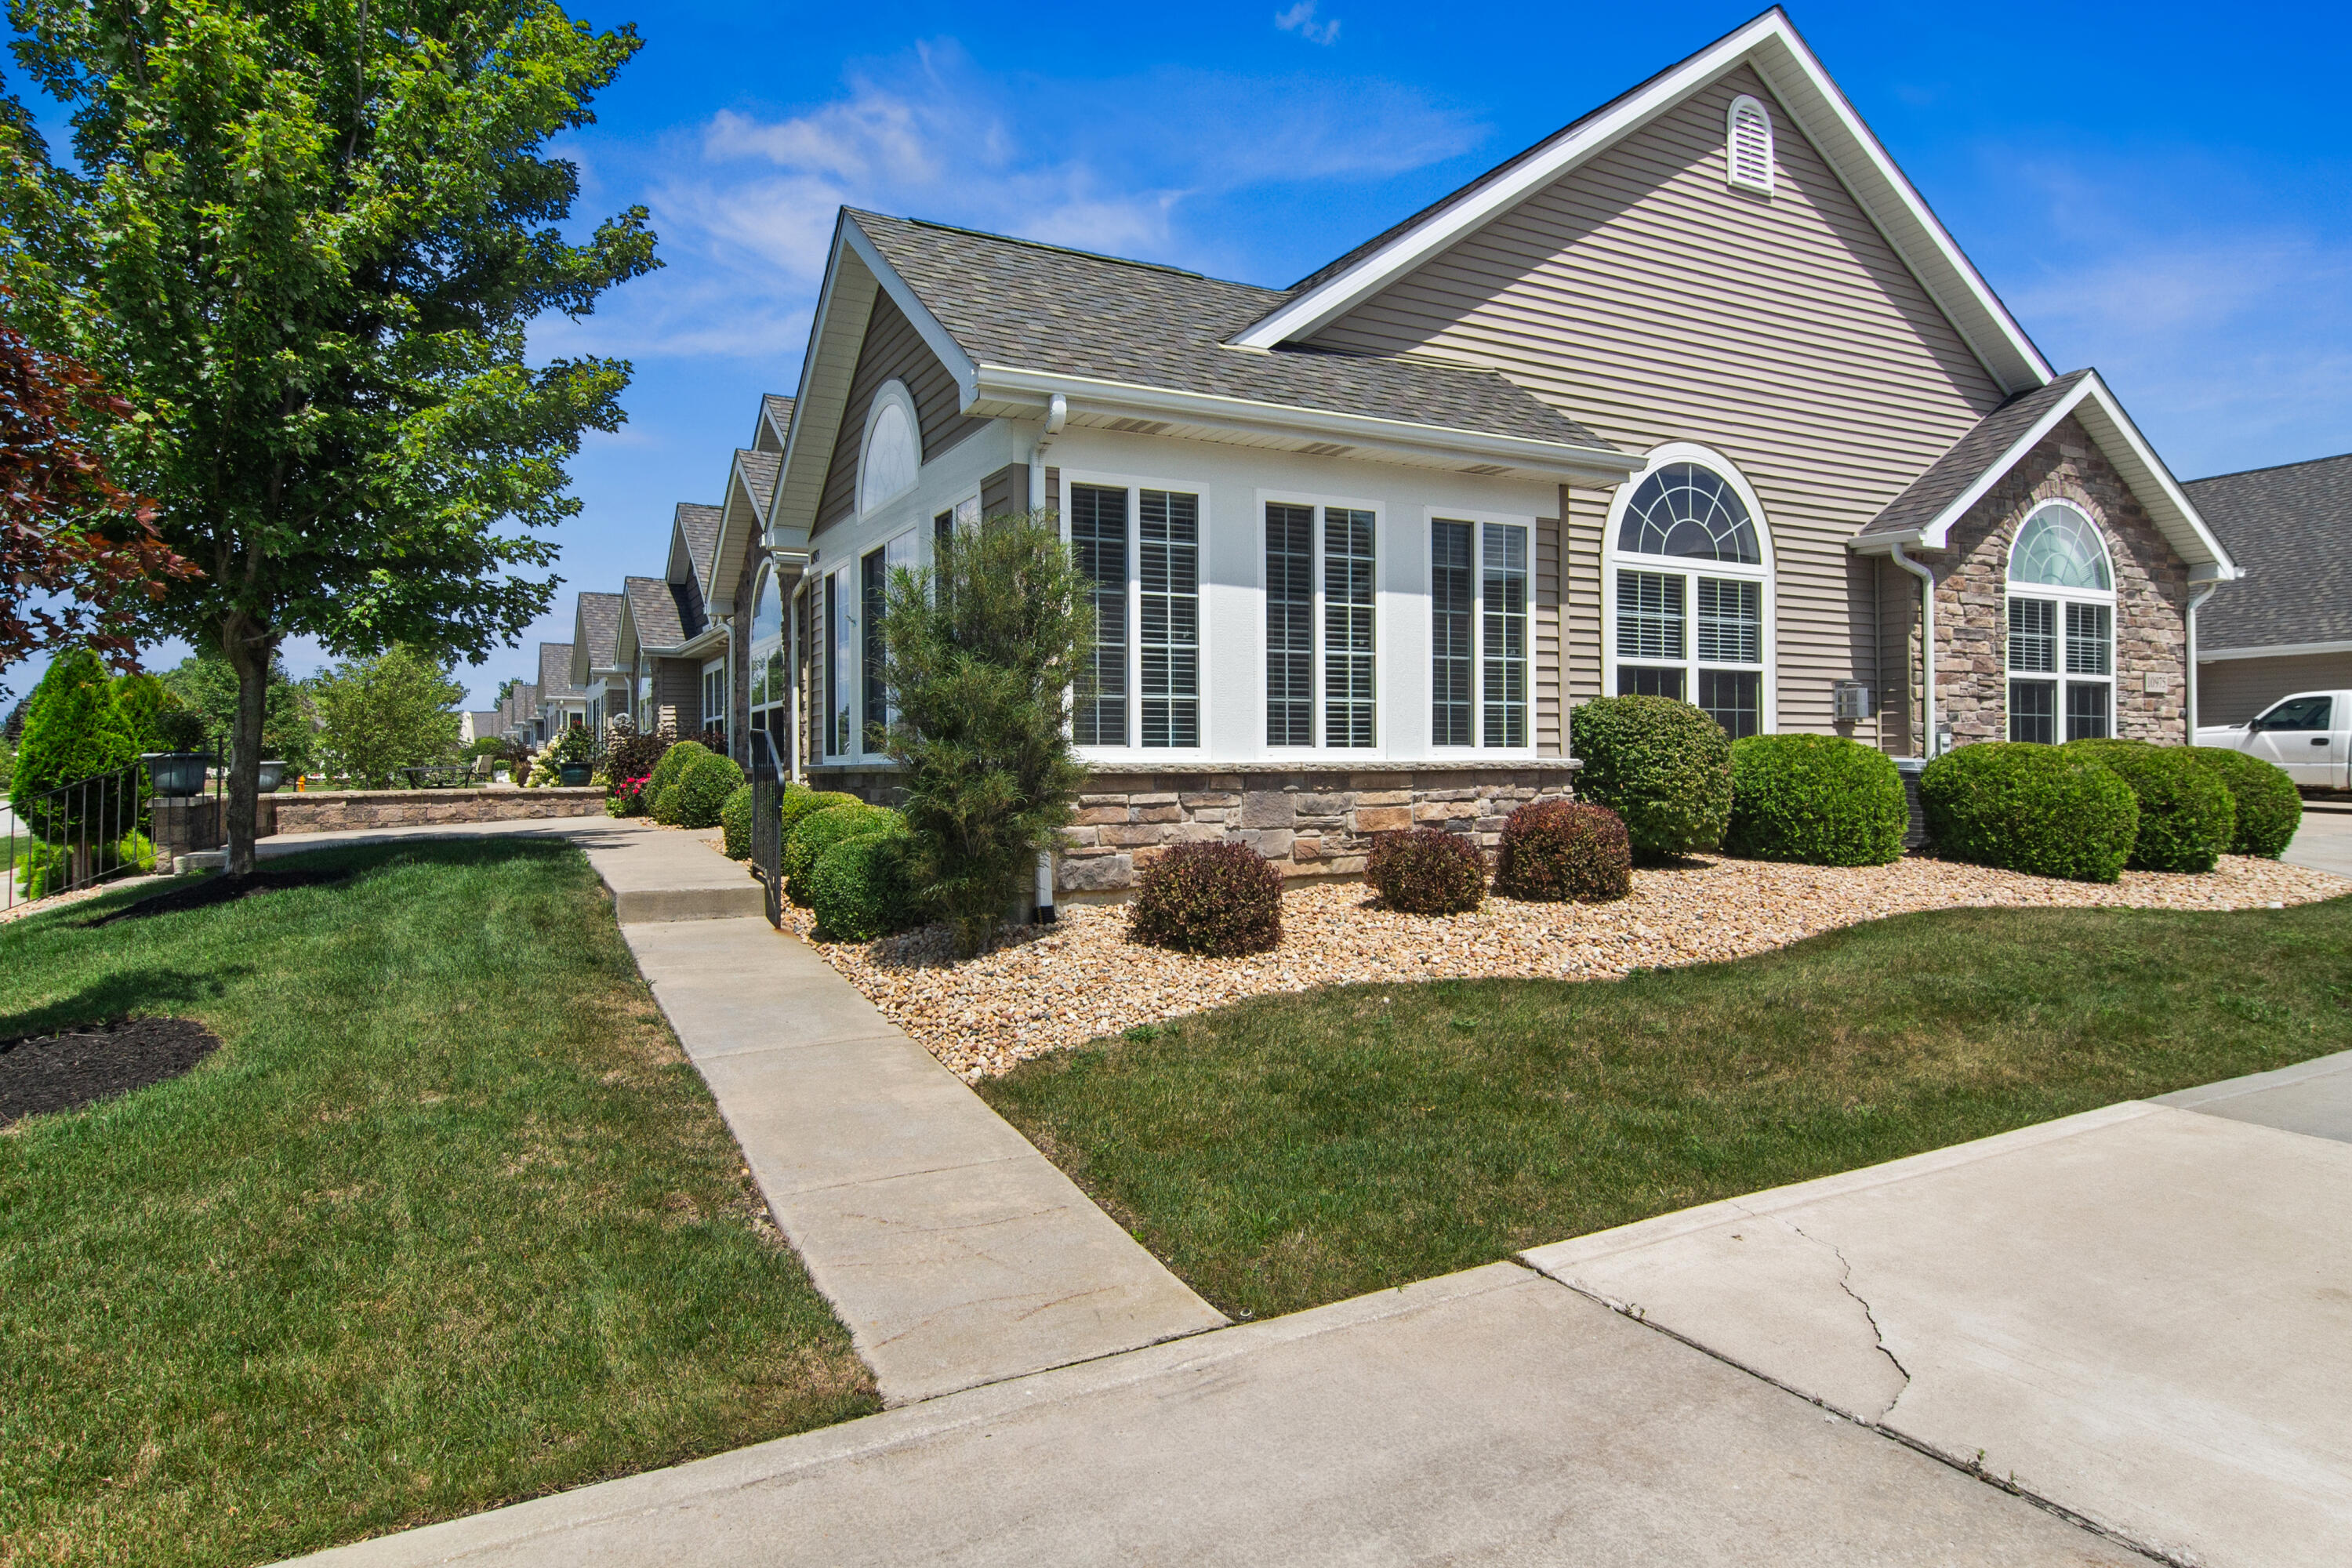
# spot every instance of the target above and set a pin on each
(627, 798)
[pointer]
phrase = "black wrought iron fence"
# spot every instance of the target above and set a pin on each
(108, 826)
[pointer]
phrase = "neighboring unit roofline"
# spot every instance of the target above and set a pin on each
(1592, 465)
(2278, 650)
(2271, 468)
(1795, 76)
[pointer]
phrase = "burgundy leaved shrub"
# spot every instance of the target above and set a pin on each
(1428, 871)
(1559, 850)
(1216, 900)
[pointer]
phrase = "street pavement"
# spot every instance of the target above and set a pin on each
(2323, 843)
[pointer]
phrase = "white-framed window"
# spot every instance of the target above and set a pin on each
(890, 458)
(875, 708)
(1688, 601)
(1748, 144)
(1139, 542)
(839, 651)
(770, 698)
(1479, 632)
(714, 695)
(1322, 622)
(2062, 629)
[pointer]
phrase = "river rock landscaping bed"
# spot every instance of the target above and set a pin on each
(1048, 987)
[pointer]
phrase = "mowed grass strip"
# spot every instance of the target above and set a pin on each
(447, 1222)
(1293, 1150)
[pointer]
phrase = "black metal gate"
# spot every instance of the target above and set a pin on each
(768, 824)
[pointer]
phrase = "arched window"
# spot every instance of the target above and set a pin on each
(2062, 629)
(1689, 605)
(1747, 145)
(892, 458)
(771, 681)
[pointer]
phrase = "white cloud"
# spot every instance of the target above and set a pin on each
(1300, 19)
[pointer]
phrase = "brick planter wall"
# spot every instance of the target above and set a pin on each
(1972, 596)
(332, 811)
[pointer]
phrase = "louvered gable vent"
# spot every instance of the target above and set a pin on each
(1749, 145)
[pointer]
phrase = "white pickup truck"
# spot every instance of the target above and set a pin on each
(2309, 734)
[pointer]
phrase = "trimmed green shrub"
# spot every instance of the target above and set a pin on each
(672, 763)
(179, 730)
(664, 807)
(859, 888)
(135, 851)
(41, 870)
(703, 786)
(1820, 799)
(2049, 811)
(1428, 871)
(2186, 815)
(2270, 808)
(1554, 850)
(1218, 899)
(820, 831)
(1663, 766)
(800, 802)
(735, 816)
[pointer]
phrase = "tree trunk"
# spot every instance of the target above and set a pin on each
(248, 645)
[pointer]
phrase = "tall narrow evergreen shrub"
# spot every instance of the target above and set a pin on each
(74, 730)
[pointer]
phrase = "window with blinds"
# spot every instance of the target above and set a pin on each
(1451, 601)
(1098, 550)
(1749, 145)
(1289, 624)
(875, 709)
(1348, 701)
(1503, 605)
(1168, 640)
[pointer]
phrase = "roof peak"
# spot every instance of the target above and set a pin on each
(1048, 246)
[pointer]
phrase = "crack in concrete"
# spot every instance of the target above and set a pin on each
(1845, 1283)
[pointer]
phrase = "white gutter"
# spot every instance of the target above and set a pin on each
(1057, 414)
(1927, 637)
(2195, 601)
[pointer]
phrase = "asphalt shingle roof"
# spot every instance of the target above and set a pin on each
(1036, 307)
(555, 671)
(2291, 529)
(698, 524)
(600, 626)
(778, 411)
(1926, 497)
(655, 610)
(760, 476)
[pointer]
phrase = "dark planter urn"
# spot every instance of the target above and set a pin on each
(572, 776)
(176, 774)
(272, 775)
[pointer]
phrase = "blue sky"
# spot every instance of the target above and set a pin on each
(2159, 190)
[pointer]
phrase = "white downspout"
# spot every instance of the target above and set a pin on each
(1057, 414)
(1926, 638)
(795, 628)
(2195, 602)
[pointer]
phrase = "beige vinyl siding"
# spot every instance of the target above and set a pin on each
(2232, 690)
(675, 686)
(892, 350)
(1643, 296)
(1005, 491)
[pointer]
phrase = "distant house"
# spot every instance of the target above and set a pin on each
(562, 704)
(673, 651)
(596, 669)
(477, 725)
(2288, 627)
(1694, 397)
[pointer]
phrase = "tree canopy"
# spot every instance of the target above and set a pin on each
(381, 714)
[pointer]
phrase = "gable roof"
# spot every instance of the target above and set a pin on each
(1771, 46)
(655, 620)
(774, 424)
(2294, 524)
(1923, 515)
(555, 672)
(743, 520)
(694, 540)
(595, 636)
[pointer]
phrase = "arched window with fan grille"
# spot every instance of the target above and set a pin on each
(1747, 145)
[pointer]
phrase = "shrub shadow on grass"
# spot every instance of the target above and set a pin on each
(141, 991)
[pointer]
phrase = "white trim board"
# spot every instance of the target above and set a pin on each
(1819, 111)
(2278, 650)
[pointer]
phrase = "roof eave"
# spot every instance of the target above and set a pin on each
(1369, 435)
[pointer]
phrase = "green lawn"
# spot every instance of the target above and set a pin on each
(1297, 1149)
(449, 1221)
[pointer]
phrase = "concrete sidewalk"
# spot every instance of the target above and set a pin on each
(955, 1252)
(2324, 842)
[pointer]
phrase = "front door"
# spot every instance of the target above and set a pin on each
(2298, 735)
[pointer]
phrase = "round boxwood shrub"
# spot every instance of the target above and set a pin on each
(1427, 871)
(2270, 808)
(735, 816)
(672, 764)
(1663, 766)
(2186, 815)
(800, 801)
(1821, 799)
(1554, 850)
(664, 807)
(860, 889)
(2045, 810)
(1217, 900)
(703, 786)
(820, 831)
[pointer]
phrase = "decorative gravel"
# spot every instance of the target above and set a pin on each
(1047, 987)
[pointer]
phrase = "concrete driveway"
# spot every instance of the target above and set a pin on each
(2323, 843)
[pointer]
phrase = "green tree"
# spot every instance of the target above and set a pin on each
(74, 730)
(207, 687)
(305, 239)
(142, 698)
(380, 714)
(982, 652)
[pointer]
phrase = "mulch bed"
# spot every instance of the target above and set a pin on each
(75, 1068)
(219, 889)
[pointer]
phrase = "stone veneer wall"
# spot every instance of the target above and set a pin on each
(336, 810)
(1311, 822)
(1972, 596)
